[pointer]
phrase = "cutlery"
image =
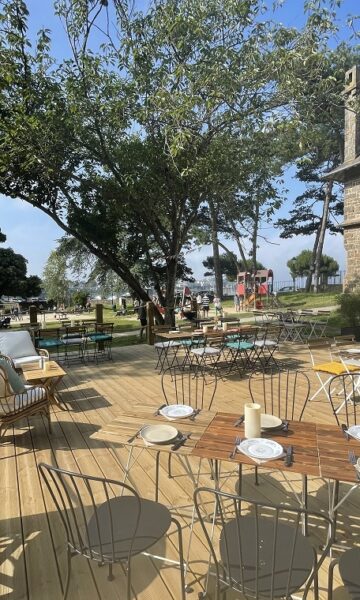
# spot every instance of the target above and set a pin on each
(239, 421)
(195, 413)
(352, 457)
(133, 437)
(285, 426)
(353, 461)
(345, 431)
(181, 441)
(289, 456)
(157, 412)
(237, 442)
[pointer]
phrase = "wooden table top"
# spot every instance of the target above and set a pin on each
(320, 450)
(218, 441)
(121, 429)
(334, 453)
(54, 370)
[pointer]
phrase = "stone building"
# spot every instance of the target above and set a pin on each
(349, 174)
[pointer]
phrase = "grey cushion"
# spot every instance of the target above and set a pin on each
(16, 344)
(16, 383)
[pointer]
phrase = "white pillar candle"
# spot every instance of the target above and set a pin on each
(205, 328)
(252, 413)
(225, 326)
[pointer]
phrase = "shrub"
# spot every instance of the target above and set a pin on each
(350, 308)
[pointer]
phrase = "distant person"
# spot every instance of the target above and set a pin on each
(142, 316)
(218, 306)
(199, 301)
(205, 305)
(237, 303)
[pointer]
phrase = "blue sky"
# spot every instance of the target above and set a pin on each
(34, 235)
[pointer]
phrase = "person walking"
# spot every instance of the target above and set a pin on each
(218, 306)
(205, 305)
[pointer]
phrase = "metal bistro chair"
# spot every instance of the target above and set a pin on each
(325, 370)
(188, 385)
(107, 521)
(74, 340)
(266, 344)
(262, 551)
(349, 567)
(344, 393)
(207, 358)
(283, 394)
(102, 339)
(166, 350)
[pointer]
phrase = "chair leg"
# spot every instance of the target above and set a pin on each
(181, 558)
(331, 577)
(169, 466)
(67, 582)
(110, 574)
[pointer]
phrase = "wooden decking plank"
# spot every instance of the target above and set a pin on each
(13, 580)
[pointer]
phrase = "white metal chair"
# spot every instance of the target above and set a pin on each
(326, 369)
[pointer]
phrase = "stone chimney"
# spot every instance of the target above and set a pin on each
(352, 122)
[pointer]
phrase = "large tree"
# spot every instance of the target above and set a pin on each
(115, 143)
(12, 272)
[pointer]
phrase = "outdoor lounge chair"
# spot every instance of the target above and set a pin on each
(19, 347)
(18, 400)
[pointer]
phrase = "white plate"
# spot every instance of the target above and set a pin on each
(176, 411)
(354, 431)
(159, 434)
(270, 422)
(261, 448)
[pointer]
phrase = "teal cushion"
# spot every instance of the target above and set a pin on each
(100, 337)
(49, 343)
(239, 345)
(16, 383)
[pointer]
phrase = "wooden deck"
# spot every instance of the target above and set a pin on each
(32, 540)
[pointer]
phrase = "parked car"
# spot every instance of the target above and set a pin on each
(287, 289)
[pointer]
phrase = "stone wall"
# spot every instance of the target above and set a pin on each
(352, 233)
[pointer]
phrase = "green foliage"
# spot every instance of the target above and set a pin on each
(300, 265)
(2, 237)
(12, 272)
(80, 297)
(123, 143)
(55, 280)
(229, 266)
(350, 308)
(32, 286)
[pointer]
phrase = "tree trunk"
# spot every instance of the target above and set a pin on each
(312, 262)
(322, 232)
(170, 292)
(237, 238)
(216, 253)
(254, 235)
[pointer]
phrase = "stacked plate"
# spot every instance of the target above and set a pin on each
(270, 422)
(176, 411)
(159, 434)
(354, 431)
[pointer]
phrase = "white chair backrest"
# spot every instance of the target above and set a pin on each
(16, 344)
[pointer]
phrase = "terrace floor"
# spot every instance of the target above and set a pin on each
(31, 538)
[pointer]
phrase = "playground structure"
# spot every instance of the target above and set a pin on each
(253, 287)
